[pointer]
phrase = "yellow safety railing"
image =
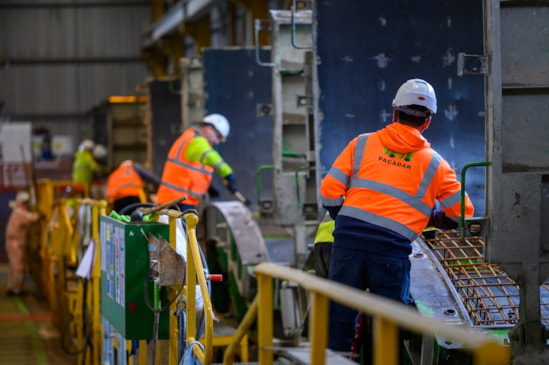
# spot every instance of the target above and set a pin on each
(92, 294)
(41, 258)
(55, 245)
(195, 274)
(388, 317)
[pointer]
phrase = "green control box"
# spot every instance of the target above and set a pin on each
(124, 273)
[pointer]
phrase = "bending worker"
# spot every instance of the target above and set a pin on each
(17, 230)
(381, 191)
(191, 161)
(126, 185)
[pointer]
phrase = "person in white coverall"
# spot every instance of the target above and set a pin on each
(16, 241)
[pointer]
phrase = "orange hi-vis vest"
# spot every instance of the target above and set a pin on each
(124, 182)
(182, 177)
(396, 191)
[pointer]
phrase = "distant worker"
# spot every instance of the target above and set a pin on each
(85, 166)
(191, 161)
(322, 248)
(126, 185)
(381, 191)
(17, 230)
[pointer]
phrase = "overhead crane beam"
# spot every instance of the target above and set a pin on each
(163, 42)
(170, 22)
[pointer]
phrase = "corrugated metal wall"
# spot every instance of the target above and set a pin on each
(59, 59)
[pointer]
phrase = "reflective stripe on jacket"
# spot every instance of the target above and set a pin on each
(124, 182)
(393, 190)
(182, 177)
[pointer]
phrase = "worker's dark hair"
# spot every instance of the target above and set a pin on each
(412, 115)
(201, 124)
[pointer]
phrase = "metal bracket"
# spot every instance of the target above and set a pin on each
(261, 25)
(304, 101)
(471, 64)
(298, 5)
(264, 110)
(166, 262)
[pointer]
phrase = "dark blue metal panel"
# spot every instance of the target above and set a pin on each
(367, 49)
(165, 123)
(235, 85)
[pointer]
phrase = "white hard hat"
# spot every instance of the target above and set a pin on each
(86, 144)
(22, 197)
(99, 151)
(219, 122)
(416, 92)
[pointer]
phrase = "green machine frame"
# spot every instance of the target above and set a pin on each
(126, 289)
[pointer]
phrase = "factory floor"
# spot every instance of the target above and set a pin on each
(27, 334)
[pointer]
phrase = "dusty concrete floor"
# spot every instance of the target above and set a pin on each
(31, 314)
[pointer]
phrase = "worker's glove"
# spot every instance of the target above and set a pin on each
(213, 192)
(247, 202)
(230, 183)
(439, 219)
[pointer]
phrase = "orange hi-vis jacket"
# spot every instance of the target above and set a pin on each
(391, 178)
(124, 182)
(182, 177)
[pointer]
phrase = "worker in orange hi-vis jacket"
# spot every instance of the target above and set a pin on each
(191, 162)
(16, 240)
(382, 191)
(126, 185)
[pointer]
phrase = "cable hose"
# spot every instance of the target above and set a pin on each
(129, 208)
(155, 334)
(182, 334)
(188, 358)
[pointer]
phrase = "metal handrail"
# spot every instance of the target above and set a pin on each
(195, 273)
(241, 331)
(462, 197)
(258, 179)
(259, 26)
(388, 316)
(294, 44)
(99, 208)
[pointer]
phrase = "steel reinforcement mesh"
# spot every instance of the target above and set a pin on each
(489, 295)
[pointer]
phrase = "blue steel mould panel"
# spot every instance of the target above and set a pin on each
(235, 84)
(367, 49)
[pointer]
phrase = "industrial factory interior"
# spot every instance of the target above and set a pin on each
(289, 182)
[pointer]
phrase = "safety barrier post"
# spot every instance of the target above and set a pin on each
(195, 274)
(173, 344)
(318, 328)
(265, 319)
(386, 345)
(99, 209)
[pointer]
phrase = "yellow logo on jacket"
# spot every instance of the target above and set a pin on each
(405, 156)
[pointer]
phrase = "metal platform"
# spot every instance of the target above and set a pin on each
(490, 297)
